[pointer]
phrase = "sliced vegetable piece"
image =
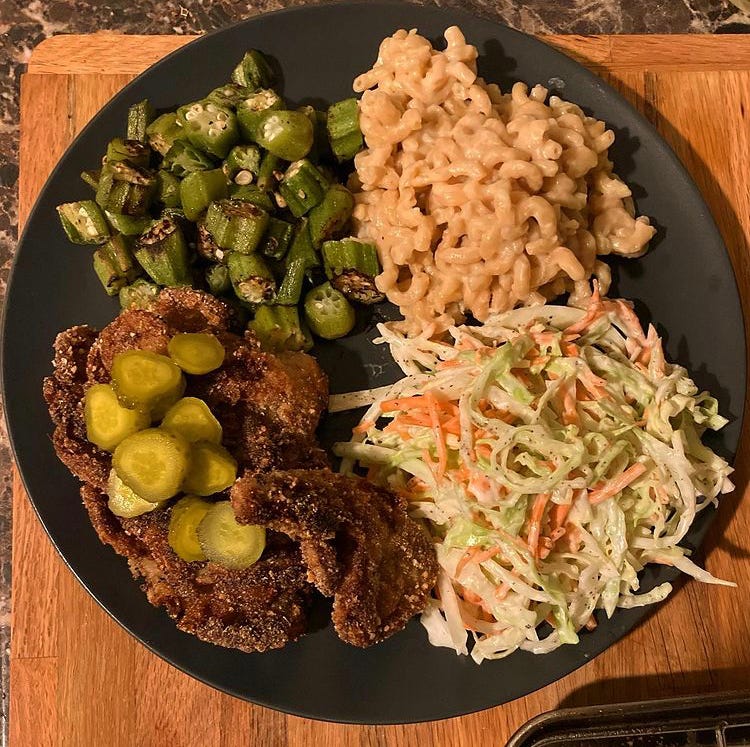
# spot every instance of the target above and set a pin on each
(91, 177)
(167, 189)
(83, 222)
(286, 134)
(255, 195)
(236, 224)
(278, 328)
(206, 246)
(271, 170)
(227, 543)
(199, 189)
(163, 253)
(134, 152)
(217, 279)
(196, 352)
(328, 313)
(290, 290)
(331, 216)
(251, 278)
(107, 421)
(115, 265)
(139, 295)
(343, 129)
(242, 164)
(140, 116)
(352, 266)
(164, 132)
(253, 71)
(303, 186)
(211, 469)
(124, 188)
(191, 418)
(127, 225)
(209, 126)
(228, 95)
(153, 463)
(184, 519)
(276, 239)
(125, 502)
(251, 109)
(183, 158)
(146, 380)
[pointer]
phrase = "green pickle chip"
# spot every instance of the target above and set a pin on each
(190, 418)
(196, 352)
(147, 380)
(125, 502)
(211, 469)
(186, 514)
(227, 543)
(107, 421)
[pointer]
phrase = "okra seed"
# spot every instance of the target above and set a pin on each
(243, 178)
(92, 230)
(190, 115)
(213, 131)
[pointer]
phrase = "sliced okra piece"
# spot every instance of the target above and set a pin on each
(328, 313)
(207, 247)
(126, 189)
(228, 95)
(352, 266)
(163, 253)
(236, 225)
(251, 109)
(115, 265)
(209, 127)
(303, 186)
(253, 71)
(199, 189)
(251, 278)
(140, 116)
(344, 133)
(330, 217)
(242, 164)
(91, 177)
(279, 328)
(83, 222)
(217, 279)
(286, 134)
(128, 225)
(164, 132)
(140, 294)
(167, 189)
(183, 159)
(271, 171)
(133, 151)
(277, 238)
(251, 193)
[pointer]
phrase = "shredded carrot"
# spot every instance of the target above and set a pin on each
(535, 524)
(617, 484)
(442, 449)
(539, 360)
(594, 311)
(502, 591)
(452, 426)
(404, 403)
(363, 427)
(569, 411)
(570, 350)
(559, 514)
(452, 363)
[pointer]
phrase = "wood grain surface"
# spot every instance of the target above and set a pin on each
(78, 680)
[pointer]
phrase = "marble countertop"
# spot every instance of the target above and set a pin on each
(24, 24)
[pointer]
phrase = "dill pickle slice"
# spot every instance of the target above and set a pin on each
(107, 421)
(190, 418)
(227, 543)
(186, 514)
(147, 380)
(153, 463)
(125, 502)
(196, 352)
(211, 469)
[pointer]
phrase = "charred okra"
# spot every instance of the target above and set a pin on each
(344, 133)
(209, 127)
(303, 187)
(91, 177)
(228, 95)
(286, 134)
(127, 225)
(167, 189)
(242, 164)
(253, 71)
(164, 132)
(250, 111)
(352, 265)
(276, 239)
(257, 196)
(278, 328)
(163, 253)
(207, 247)
(83, 222)
(217, 280)
(199, 189)
(125, 189)
(251, 278)
(236, 225)
(299, 260)
(140, 116)
(270, 172)
(115, 265)
(183, 159)
(134, 152)
(139, 295)
(330, 217)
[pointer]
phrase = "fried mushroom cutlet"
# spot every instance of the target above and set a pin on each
(358, 544)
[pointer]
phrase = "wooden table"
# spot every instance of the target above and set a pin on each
(78, 679)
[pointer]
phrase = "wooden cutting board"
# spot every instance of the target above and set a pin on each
(78, 679)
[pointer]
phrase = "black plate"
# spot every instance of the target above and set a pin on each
(685, 282)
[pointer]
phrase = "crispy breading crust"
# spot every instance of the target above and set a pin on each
(357, 541)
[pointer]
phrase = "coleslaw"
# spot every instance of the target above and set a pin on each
(552, 453)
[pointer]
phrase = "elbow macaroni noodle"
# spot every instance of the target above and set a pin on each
(477, 200)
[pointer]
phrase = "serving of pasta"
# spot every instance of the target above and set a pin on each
(478, 200)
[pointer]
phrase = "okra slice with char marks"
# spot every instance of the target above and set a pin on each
(115, 265)
(164, 132)
(108, 421)
(252, 279)
(251, 193)
(298, 263)
(209, 127)
(140, 116)
(184, 518)
(253, 71)
(303, 186)
(91, 177)
(211, 469)
(146, 380)
(126, 189)
(191, 418)
(134, 152)
(153, 463)
(279, 328)
(277, 238)
(321, 148)
(207, 247)
(163, 253)
(343, 129)
(271, 171)
(140, 294)
(83, 222)
(199, 189)
(236, 225)
(183, 159)
(242, 164)
(128, 225)
(125, 502)
(228, 543)
(167, 189)
(196, 352)
(328, 313)
(217, 279)
(286, 134)
(228, 95)
(250, 111)
(330, 217)
(352, 266)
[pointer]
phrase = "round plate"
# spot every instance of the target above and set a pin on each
(685, 283)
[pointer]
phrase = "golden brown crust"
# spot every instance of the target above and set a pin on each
(357, 541)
